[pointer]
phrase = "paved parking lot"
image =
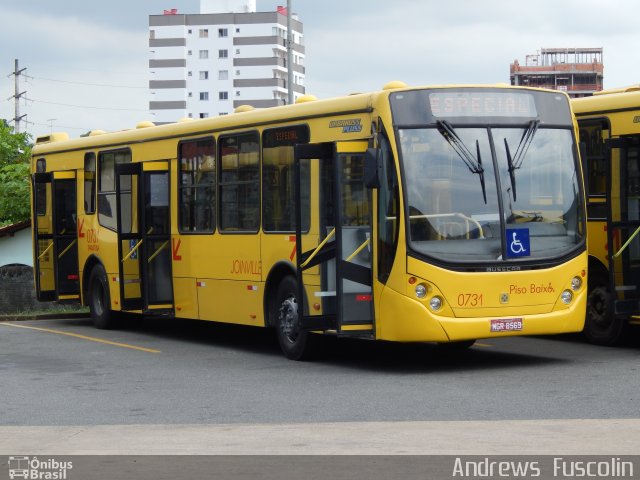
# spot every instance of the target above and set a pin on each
(161, 374)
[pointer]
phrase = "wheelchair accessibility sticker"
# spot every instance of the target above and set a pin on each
(518, 242)
(132, 245)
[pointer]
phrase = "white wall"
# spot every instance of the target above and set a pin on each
(170, 31)
(17, 249)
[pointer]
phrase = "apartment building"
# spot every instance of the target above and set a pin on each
(207, 64)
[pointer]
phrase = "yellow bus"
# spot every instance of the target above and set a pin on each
(609, 124)
(435, 214)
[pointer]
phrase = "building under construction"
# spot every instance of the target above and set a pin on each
(577, 71)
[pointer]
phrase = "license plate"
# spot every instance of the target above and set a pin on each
(506, 325)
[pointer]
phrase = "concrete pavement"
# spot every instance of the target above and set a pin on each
(502, 437)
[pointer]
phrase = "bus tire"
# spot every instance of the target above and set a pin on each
(295, 343)
(601, 327)
(100, 300)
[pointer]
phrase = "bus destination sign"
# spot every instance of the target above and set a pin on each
(285, 136)
(482, 104)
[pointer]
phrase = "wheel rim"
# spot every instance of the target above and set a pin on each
(288, 319)
(98, 299)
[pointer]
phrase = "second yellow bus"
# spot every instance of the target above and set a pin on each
(609, 125)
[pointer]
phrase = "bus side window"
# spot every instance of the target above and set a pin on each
(107, 190)
(239, 182)
(274, 211)
(196, 186)
(388, 212)
(355, 201)
(594, 135)
(278, 179)
(41, 189)
(90, 183)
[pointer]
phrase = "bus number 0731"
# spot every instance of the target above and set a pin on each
(470, 300)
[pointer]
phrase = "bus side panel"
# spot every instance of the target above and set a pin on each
(281, 247)
(107, 251)
(597, 235)
(222, 274)
(230, 301)
(100, 242)
(185, 297)
(189, 258)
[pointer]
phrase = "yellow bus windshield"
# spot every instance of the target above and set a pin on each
(504, 191)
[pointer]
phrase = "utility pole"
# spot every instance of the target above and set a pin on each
(16, 73)
(289, 54)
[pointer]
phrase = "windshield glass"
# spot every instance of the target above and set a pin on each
(445, 196)
(541, 193)
(454, 199)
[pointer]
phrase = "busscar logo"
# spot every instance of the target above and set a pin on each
(37, 469)
(636, 119)
(351, 125)
(504, 269)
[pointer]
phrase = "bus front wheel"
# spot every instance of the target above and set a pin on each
(296, 343)
(601, 326)
(100, 300)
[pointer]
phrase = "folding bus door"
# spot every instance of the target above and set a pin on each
(624, 224)
(144, 240)
(56, 236)
(341, 283)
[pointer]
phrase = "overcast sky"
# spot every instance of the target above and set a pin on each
(351, 46)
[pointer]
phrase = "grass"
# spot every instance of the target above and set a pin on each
(46, 309)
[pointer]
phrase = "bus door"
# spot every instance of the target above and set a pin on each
(335, 273)
(56, 236)
(624, 226)
(144, 240)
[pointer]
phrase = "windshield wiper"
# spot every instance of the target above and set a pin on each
(516, 161)
(473, 164)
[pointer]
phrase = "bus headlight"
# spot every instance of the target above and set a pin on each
(421, 290)
(566, 297)
(576, 283)
(435, 303)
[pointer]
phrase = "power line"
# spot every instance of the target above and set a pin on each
(84, 83)
(84, 129)
(119, 72)
(88, 106)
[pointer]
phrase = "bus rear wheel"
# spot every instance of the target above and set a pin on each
(601, 327)
(295, 343)
(100, 301)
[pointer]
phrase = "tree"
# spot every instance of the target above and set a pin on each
(15, 154)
